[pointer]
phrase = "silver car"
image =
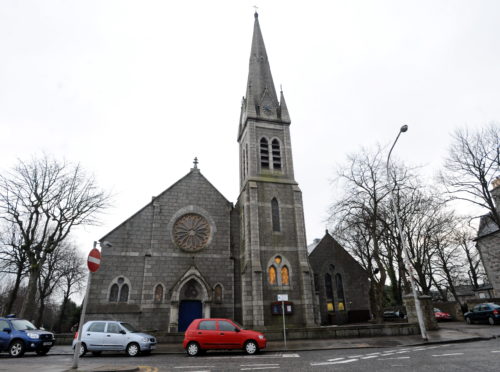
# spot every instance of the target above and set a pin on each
(106, 335)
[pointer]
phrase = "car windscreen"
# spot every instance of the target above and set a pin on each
(129, 327)
(23, 325)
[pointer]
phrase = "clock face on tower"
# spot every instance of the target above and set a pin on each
(191, 232)
(267, 110)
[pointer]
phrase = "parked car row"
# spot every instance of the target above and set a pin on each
(18, 336)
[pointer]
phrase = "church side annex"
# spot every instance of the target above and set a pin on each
(190, 253)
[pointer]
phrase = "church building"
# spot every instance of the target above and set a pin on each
(191, 253)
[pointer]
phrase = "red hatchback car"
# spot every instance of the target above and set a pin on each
(217, 334)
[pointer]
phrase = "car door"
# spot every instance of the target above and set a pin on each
(113, 338)
(476, 316)
(4, 336)
(94, 335)
(207, 334)
(228, 335)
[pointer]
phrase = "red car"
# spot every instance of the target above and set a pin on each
(210, 334)
(441, 315)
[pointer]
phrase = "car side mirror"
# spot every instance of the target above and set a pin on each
(123, 332)
(7, 330)
(237, 330)
(42, 329)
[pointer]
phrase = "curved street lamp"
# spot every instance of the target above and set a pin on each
(409, 267)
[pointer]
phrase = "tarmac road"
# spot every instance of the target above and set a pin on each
(470, 356)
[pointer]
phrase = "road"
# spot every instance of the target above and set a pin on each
(472, 356)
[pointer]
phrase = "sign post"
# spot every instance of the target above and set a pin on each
(283, 298)
(93, 263)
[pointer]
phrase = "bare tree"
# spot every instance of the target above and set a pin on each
(13, 261)
(473, 162)
(73, 276)
(49, 279)
(357, 218)
(46, 199)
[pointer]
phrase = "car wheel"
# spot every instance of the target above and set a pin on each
(491, 320)
(133, 349)
(16, 349)
(193, 349)
(251, 347)
(96, 353)
(83, 349)
(468, 321)
(43, 351)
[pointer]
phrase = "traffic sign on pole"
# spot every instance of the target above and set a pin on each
(94, 260)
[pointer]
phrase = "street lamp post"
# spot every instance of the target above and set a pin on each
(409, 267)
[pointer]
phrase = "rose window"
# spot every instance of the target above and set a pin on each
(191, 232)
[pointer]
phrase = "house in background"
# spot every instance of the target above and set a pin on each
(341, 284)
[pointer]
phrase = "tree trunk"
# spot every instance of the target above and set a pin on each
(41, 309)
(61, 315)
(29, 303)
(15, 290)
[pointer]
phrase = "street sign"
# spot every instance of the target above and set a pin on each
(282, 297)
(94, 260)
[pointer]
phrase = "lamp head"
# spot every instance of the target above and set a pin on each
(105, 244)
(404, 128)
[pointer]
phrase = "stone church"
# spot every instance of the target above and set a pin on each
(191, 253)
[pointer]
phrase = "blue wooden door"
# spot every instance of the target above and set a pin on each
(188, 311)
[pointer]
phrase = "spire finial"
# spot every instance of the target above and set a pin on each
(195, 162)
(256, 15)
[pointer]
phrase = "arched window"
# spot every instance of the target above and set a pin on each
(272, 275)
(275, 211)
(119, 290)
(329, 292)
(285, 280)
(218, 294)
(275, 146)
(264, 153)
(124, 293)
(278, 271)
(113, 293)
(340, 291)
(158, 294)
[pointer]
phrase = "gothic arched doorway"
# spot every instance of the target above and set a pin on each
(191, 299)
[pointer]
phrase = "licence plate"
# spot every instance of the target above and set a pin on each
(47, 343)
(153, 347)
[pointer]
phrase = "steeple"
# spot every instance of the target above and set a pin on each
(261, 100)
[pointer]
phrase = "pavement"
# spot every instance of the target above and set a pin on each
(450, 332)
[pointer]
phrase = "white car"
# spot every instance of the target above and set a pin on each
(107, 335)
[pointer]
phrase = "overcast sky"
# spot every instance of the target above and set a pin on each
(134, 90)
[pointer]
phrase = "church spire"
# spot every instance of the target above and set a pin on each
(261, 100)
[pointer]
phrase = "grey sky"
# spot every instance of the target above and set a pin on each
(134, 90)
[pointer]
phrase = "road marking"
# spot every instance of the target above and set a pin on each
(334, 360)
(370, 356)
(355, 356)
(338, 362)
(249, 369)
(291, 356)
(439, 355)
(182, 367)
(405, 357)
(495, 351)
(258, 365)
(373, 354)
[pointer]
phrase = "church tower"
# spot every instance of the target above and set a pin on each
(273, 254)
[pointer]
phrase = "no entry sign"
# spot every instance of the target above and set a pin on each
(94, 260)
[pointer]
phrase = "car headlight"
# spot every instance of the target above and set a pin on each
(261, 337)
(145, 339)
(35, 336)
